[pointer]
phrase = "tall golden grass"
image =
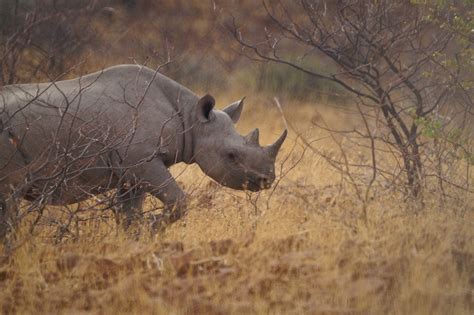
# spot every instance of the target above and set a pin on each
(301, 248)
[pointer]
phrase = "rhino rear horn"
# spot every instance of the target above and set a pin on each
(275, 147)
(252, 137)
(234, 110)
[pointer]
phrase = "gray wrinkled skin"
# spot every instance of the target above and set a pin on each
(121, 128)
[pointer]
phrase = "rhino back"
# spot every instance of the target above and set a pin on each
(128, 110)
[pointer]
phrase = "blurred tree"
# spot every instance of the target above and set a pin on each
(42, 38)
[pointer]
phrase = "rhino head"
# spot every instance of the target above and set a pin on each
(235, 161)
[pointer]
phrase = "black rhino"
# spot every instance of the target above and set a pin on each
(122, 127)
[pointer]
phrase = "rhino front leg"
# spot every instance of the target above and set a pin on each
(174, 200)
(130, 201)
(163, 186)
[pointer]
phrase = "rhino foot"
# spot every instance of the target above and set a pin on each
(160, 222)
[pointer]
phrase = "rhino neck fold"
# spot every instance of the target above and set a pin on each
(184, 110)
(187, 150)
(183, 101)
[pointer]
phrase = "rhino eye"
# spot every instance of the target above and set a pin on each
(232, 156)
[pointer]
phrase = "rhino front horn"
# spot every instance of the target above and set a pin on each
(252, 137)
(275, 147)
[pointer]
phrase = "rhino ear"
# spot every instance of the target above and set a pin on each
(204, 108)
(234, 110)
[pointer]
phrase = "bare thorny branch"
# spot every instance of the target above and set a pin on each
(386, 54)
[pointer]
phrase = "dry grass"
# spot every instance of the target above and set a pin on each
(302, 249)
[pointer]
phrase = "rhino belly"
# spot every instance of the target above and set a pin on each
(71, 190)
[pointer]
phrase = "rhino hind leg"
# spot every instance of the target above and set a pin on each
(130, 203)
(4, 218)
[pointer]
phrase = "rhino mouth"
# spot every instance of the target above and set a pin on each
(256, 184)
(252, 183)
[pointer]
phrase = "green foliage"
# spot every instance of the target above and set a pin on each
(432, 128)
(457, 17)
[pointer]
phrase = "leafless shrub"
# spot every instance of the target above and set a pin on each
(406, 72)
